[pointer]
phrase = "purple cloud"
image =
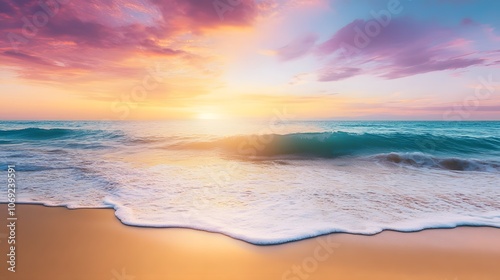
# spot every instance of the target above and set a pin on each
(297, 48)
(467, 21)
(87, 35)
(398, 48)
(336, 74)
(26, 58)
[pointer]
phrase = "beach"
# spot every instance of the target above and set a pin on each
(309, 178)
(58, 243)
(249, 140)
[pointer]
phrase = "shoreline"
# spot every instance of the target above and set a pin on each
(55, 242)
(245, 241)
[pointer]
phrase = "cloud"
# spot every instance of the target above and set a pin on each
(490, 33)
(403, 47)
(297, 48)
(6, 8)
(100, 36)
(301, 78)
(202, 14)
(467, 21)
(272, 8)
(336, 74)
(26, 58)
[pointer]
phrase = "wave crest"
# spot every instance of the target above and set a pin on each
(35, 133)
(333, 144)
(423, 160)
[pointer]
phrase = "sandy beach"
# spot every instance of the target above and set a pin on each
(249, 140)
(57, 243)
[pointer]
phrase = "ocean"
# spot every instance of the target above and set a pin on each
(259, 181)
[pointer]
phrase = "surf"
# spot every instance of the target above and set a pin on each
(335, 144)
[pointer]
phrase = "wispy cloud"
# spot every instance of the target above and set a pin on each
(298, 47)
(404, 47)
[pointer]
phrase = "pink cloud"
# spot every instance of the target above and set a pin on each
(57, 35)
(490, 33)
(335, 73)
(403, 47)
(297, 48)
(467, 21)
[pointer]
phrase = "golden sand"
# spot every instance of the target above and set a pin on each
(91, 244)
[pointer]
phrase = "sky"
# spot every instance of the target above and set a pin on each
(232, 59)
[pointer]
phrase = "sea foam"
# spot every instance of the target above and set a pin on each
(356, 177)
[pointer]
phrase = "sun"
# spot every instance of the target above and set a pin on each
(208, 116)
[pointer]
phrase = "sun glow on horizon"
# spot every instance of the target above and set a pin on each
(208, 116)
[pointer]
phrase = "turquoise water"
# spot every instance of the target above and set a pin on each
(263, 182)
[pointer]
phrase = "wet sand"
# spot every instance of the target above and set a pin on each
(57, 243)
